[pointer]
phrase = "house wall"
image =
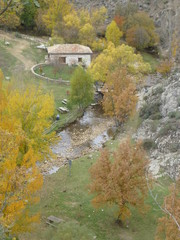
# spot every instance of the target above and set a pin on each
(71, 59)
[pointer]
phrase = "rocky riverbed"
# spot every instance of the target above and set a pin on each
(86, 135)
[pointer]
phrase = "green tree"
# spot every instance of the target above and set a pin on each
(81, 88)
(113, 34)
(28, 15)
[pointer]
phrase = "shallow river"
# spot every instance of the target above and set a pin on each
(88, 133)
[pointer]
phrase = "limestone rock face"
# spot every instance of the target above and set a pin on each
(170, 97)
(161, 125)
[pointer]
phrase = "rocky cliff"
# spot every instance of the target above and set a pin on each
(159, 107)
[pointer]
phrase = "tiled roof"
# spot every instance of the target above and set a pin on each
(68, 49)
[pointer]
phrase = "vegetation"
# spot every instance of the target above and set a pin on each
(138, 27)
(151, 110)
(56, 72)
(25, 114)
(121, 56)
(120, 96)
(81, 88)
(113, 34)
(121, 182)
(165, 67)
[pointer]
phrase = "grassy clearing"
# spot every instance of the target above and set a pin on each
(67, 197)
(151, 60)
(8, 63)
(64, 72)
(35, 54)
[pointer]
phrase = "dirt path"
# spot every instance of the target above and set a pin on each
(17, 50)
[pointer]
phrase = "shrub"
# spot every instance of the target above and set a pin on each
(165, 67)
(172, 115)
(169, 126)
(173, 147)
(150, 109)
(149, 144)
(156, 116)
(178, 100)
(154, 125)
(158, 90)
(175, 114)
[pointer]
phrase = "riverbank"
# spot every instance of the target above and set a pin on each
(87, 134)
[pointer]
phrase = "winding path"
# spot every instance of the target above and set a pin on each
(17, 50)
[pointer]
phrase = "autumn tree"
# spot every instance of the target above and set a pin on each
(87, 34)
(57, 10)
(138, 28)
(169, 224)
(121, 181)
(113, 34)
(25, 115)
(81, 88)
(141, 28)
(121, 56)
(120, 97)
(137, 37)
(10, 18)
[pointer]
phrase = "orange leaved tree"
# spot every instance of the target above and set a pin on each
(121, 181)
(119, 96)
(169, 224)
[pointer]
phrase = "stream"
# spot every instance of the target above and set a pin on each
(87, 134)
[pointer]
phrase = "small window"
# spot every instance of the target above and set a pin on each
(80, 60)
(62, 60)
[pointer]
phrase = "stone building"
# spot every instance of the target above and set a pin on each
(70, 54)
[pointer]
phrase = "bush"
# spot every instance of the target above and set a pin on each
(158, 90)
(151, 110)
(169, 126)
(165, 67)
(173, 147)
(149, 144)
(156, 116)
(175, 114)
(178, 100)
(154, 125)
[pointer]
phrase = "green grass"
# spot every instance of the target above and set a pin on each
(8, 63)
(151, 60)
(35, 54)
(67, 197)
(64, 72)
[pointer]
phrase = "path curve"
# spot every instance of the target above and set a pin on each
(17, 51)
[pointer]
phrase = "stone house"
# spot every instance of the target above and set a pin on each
(70, 54)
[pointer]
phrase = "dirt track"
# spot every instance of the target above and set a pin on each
(17, 51)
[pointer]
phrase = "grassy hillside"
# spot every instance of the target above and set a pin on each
(67, 197)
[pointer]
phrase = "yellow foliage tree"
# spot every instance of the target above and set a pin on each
(113, 34)
(121, 56)
(87, 34)
(57, 10)
(24, 117)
